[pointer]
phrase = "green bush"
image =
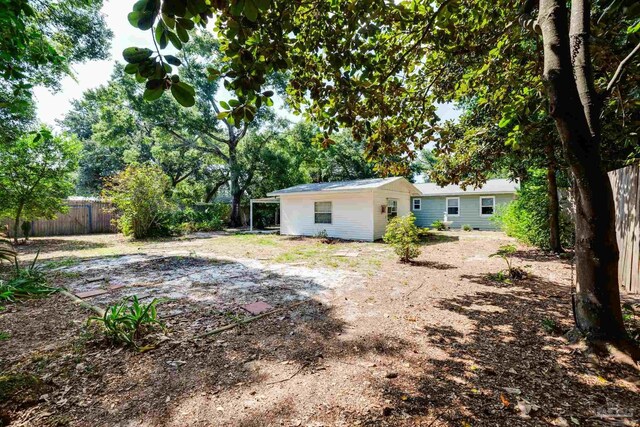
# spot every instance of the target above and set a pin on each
(139, 194)
(403, 234)
(201, 217)
(466, 227)
(527, 217)
(438, 225)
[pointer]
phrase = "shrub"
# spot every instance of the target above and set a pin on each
(403, 234)
(466, 227)
(438, 225)
(201, 217)
(527, 217)
(139, 194)
(26, 283)
(126, 323)
(511, 273)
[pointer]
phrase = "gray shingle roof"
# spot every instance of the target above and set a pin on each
(492, 186)
(357, 184)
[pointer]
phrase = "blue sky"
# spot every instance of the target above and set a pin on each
(53, 106)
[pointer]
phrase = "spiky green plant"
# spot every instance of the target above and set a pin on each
(26, 283)
(127, 321)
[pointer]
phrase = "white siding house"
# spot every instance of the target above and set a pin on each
(354, 210)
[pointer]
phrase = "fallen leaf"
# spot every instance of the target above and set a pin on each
(504, 400)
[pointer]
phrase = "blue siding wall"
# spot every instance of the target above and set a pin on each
(433, 208)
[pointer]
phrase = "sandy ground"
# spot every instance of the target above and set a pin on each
(373, 342)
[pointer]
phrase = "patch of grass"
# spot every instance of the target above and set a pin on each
(20, 387)
(66, 262)
(4, 336)
(255, 239)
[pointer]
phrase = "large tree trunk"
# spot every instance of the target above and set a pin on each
(554, 202)
(16, 224)
(234, 184)
(597, 299)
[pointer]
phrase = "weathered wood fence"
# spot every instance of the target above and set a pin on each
(626, 192)
(83, 217)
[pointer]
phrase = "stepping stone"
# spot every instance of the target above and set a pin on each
(257, 307)
(89, 294)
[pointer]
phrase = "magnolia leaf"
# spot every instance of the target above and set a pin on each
(250, 10)
(136, 55)
(183, 93)
(172, 60)
(153, 94)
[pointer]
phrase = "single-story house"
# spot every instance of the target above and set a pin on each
(356, 210)
(473, 206)
(361, 209)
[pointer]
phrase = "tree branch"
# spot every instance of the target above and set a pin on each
(619, 71)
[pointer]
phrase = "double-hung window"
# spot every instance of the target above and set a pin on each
(487, 205)
(417, 204)
(392, 208)
(322, 213)
(453, 206)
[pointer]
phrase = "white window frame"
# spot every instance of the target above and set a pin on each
(446, 206)
(315, 212)
(494, 205)
(413, 204)
(389, 207)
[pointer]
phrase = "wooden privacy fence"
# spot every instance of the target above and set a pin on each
(626, 192)
(83, 217)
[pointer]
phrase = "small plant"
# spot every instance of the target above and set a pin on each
(127, 321)
(26, 283)
(511, 273)
(4, 336)
(403, 234)
(466, 227)
(550, 326)
(439, 225)
(322, 234)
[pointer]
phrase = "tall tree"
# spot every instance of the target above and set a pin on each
(40, 40)
(35, 177)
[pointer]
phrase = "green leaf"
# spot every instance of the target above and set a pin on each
(136, 55)
(153, 94)
(263, 5)
(224, 105)
(237, 6)
(182, 33)
(175, 41)
(131, 68)
(183, 93)
(250, 10)
(172, 60)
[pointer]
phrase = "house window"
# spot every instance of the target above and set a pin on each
(487, 205)
(392, 208)
(322, 212)
(417, 204)
(453, 206)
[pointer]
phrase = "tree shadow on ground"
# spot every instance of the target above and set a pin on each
(56, 244)
(513, 373)
(95, 383)
(432, 264)
(538, 255)
(429, 239)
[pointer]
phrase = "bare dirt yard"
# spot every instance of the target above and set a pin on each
(360, 338)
